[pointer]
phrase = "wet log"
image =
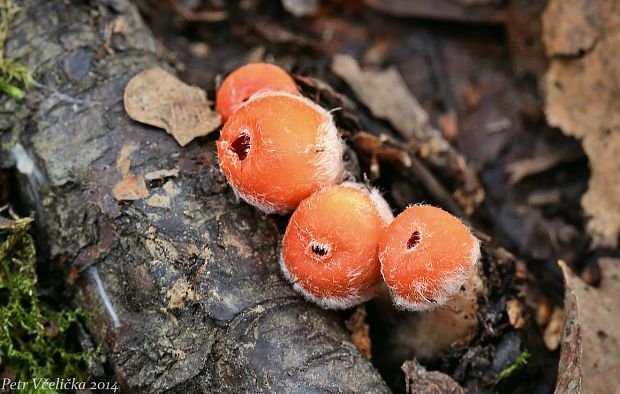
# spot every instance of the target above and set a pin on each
(183, 286)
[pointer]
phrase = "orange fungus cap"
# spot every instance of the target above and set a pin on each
(426, 255)
(247, 80)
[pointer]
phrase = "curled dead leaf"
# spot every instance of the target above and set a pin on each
(536, 165)
(543, 312)
(159, 99)
(448, 123)
(420, 381)
(360, 331)
(477, 11)
(590, 352)
(378, 150)
(574, 26)
(131, 187)
(366, 143)
(553, 332)
(123, 163)
(386, 94)
(513, 307)
(582, 99)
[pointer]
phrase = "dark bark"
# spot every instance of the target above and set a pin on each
(184, 297)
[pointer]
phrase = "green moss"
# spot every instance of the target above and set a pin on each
(519, 362)
(33, 337)
(11, 72)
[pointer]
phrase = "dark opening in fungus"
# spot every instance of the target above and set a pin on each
(241, 146)
(413, 240)
(320, 250)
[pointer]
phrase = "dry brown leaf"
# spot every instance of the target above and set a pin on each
(552, 335)
(131, 187)
(386, 94)
(200, 16)
(590, 353)
(161, 174)
(583, 99)
(543, 312)
(396, 156)
(366, 143)
(123, 163)
(360, 331)
(515, 317)
(420, 381)
(479, 11)
(448, 123)
(157, 98)
(375, 147)
(521, 169)
(574, 26)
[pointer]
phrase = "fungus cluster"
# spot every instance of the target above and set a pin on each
(282, 153)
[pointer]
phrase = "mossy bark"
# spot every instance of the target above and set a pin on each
(184, 290)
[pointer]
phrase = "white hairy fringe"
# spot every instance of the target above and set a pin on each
(257, 201)
(383, 208)
(353, 299)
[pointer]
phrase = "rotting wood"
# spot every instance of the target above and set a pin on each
(185, 296)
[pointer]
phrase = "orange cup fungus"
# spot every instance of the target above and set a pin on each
(426, 255)
(329, 250)
(277, 149)
(247, 80)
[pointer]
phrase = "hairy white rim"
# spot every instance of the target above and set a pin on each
(383, 208)
(261, 203)
(328, 302)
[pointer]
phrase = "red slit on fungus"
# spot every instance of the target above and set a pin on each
(241, 146)
(413, 240)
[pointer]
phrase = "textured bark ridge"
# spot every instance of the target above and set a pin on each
(183, 285)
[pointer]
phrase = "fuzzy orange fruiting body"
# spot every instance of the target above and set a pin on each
(426, 255)
(279, 148)
(329, 250)
(247, 80)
